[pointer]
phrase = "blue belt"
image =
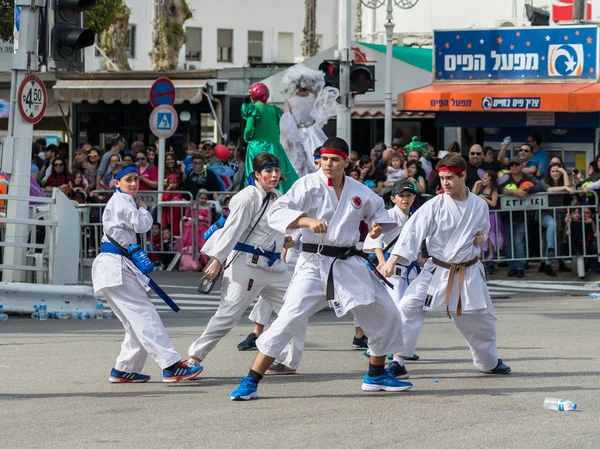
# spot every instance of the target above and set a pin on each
(273, 257)
(109, 248)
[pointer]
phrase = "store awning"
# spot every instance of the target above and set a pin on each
(125, 91)
(573, 97)
(373, 113)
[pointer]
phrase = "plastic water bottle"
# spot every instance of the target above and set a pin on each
(559, 404)
(99, 309)
(594, 295)
(83, 316)
(59, 315)
(3, 316)
(43, 311)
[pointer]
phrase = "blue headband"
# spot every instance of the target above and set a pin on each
(264, 167)
(317, 158)
(126, 171)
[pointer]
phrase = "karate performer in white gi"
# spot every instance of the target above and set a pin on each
(328, 206)
(124, 287)
(454, 224)
(254, 265)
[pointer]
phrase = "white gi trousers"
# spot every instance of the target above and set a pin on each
(237, 293)
(478, 327)
(380, 320)
(144, 331)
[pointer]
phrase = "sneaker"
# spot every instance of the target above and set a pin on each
(385, 382)
(549, 271)
(249, 343)
(414, 357)
(520, 274)
(121, 377)
(562, 267)
(551, 253)
(360, 343)
(501, 368)
(246, 390)
(511, 273)
(397, 370)
(491, 270)
(181, 371)
(279, 369)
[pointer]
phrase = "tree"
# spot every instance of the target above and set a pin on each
(168, 34)
(109, 19)
(7, 19)
(310, 45)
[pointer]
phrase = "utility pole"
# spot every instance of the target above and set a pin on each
(389, 33)
(579, 9)
(16, 154)
(344, 129)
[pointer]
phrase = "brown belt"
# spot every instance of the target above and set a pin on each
(454, 267)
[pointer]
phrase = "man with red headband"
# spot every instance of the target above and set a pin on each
(454, 224)
(328, 207)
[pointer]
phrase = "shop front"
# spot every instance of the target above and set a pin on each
(489, 84)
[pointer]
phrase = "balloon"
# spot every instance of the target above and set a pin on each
(480, 173)
(526, 185)
(221, 152)
(510, 187)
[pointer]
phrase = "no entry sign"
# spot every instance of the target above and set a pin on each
(162, 92)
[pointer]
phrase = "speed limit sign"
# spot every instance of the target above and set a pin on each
(32, 99)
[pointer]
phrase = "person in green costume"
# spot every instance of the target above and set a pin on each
(262, 134)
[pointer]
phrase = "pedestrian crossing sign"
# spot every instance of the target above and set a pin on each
(163, 121)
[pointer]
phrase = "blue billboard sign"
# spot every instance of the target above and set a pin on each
(536, 53)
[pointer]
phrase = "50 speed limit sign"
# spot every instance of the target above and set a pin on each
(32, 99)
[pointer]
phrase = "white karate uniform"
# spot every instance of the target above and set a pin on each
(400, 278)
(356, 288)
(450, 228)
(249, 275)
(124, 288)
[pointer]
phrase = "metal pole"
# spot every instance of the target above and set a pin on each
(19, 139)
(579, 9)
(161, 177)
(344, 43)
(389, 29)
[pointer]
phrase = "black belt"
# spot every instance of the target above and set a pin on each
(343, 253)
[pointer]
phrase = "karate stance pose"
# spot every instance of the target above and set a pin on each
(328, 207)
(454, 223)
(123, 286)
(254, 266)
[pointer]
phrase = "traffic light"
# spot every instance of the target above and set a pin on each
(362, 78)
(331, 69)
(66, 34)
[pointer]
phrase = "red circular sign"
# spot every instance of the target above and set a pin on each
(162, 92)
(32, 99)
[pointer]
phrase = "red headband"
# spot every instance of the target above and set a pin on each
(450, 169)
(334, 152)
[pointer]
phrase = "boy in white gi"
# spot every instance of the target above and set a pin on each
(454, 223)
(328, 206)
(254, 267)
(403, 197)
(123, 286)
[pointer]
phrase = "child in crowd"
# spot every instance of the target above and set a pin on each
(395, 172)
(582, 236)
(154, 244)
(116, 278)
(171, 216)
(317, 158)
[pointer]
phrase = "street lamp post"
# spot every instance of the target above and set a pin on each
(389, 34)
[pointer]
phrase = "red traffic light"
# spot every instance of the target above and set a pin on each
(331, 69)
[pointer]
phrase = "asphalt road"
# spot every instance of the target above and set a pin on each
(54, 391)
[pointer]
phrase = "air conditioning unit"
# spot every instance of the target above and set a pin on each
(515, 23)
(219, 87)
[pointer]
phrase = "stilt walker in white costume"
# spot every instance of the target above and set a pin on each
(307, 108)
(253, 253)
(117, 278)
(327, 207)
(454, 224)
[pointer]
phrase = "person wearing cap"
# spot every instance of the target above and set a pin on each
(402, 196)
(116, 146)
(328, 207)
(518, 184)
(453, 224)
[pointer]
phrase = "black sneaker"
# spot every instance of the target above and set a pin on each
(491, 270)
(511, 273)
(397, 370)
(360, 343)
(520, 274)
(249, 344)
(562, 267)
(551, 253)
(549, 271)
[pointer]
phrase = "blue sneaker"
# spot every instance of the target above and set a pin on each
(246, 390)
(500, 368)
(121, 377)
(385, 382)
(181, 371)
